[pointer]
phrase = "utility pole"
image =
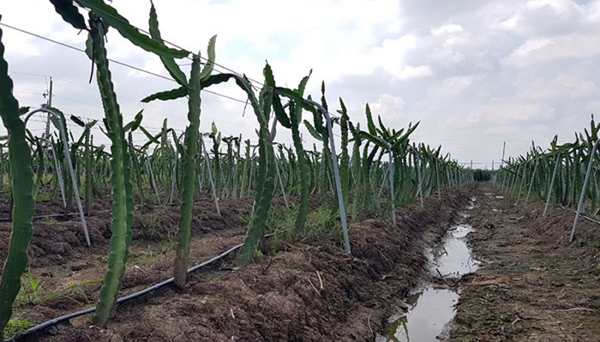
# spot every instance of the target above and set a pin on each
(501, 162)
(503, 150)
(49, 102)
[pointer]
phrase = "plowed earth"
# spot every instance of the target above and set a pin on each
(303, 291)
(533, 285)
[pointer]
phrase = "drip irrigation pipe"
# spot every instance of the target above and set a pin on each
(55, 321)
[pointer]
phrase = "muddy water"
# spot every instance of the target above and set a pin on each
(430, 309)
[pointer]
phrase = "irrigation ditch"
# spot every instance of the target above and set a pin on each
(297, 291)
(533, 284)
(506, 271)
(457, 269)
(147, 171)
(337, 271)
(429, 310)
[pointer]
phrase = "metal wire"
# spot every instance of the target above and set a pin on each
(133, 67)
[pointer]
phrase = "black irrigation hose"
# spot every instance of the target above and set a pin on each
(47, 324)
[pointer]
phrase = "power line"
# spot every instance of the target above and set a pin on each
(479, 162)
(72, 47)
(31, 74)
(181, 48)
(133, 67)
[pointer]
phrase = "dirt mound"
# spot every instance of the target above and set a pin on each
(56, 239)
(158, 223)
(308, 291)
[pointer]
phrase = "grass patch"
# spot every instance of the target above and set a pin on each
(31, 290)
(320, 222)
(77, 292)
(16, 326)
(149, 256)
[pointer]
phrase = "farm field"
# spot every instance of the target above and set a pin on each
(533, 285)
(296, 291)
(126, 215)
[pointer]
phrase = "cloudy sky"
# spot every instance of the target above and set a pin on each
(475, 73)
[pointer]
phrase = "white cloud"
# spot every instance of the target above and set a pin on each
(511, 23)
(548, 50)
(564, 86)
(408, 72)
(558, 6)
(543, 17)
(389, 106)
(531, 46)
(391, 57)
(468, 70)
(446, 29)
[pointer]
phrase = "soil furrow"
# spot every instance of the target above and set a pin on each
(533, 285)
(304, 291)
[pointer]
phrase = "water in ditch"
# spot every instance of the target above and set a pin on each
(431, 308)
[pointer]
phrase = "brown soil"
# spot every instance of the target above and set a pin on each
(533, 285)
(57, 240)
(308, 291)
(73, 286)
(70, 274)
